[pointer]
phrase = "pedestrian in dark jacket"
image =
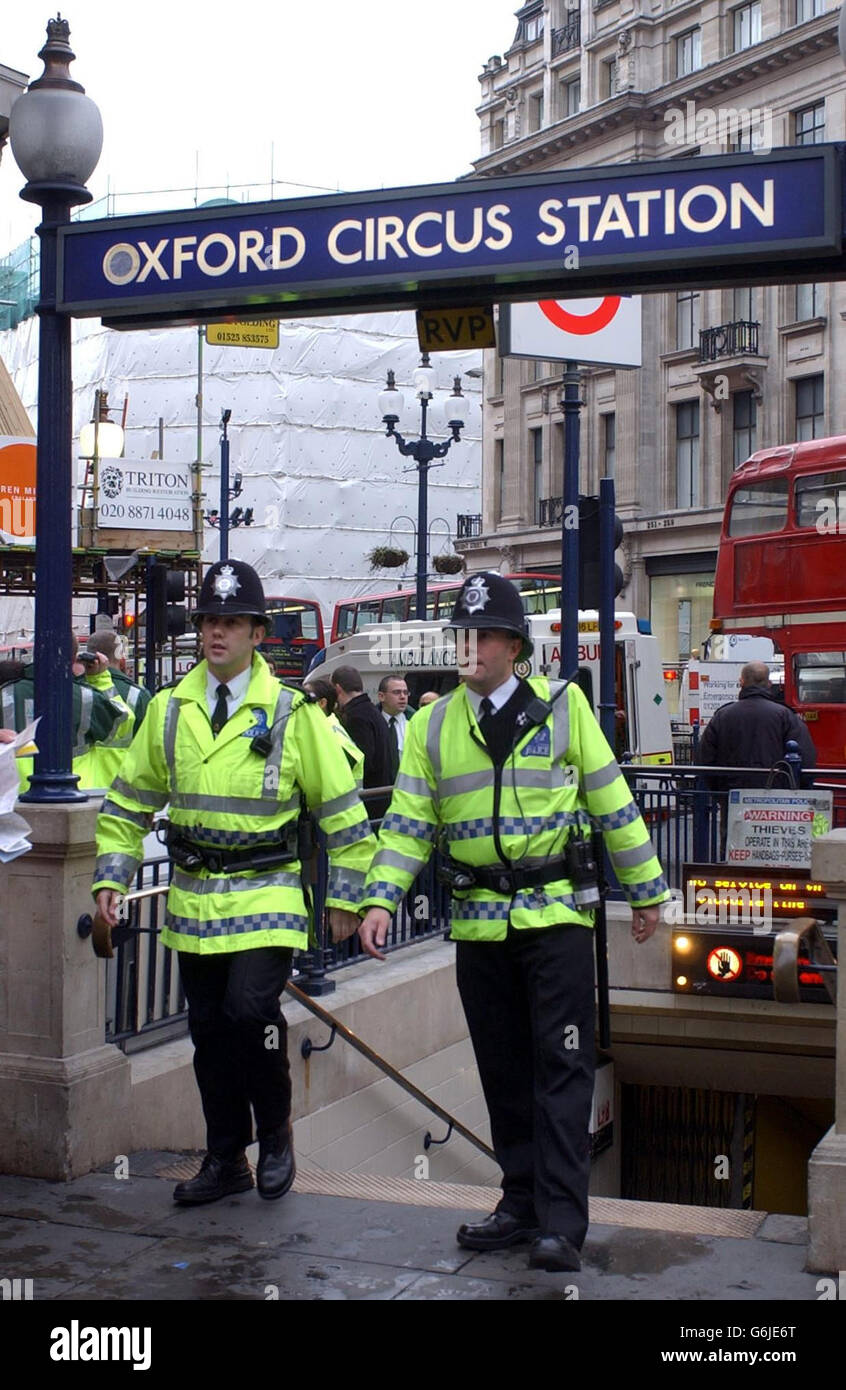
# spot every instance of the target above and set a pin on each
(752, 732)
(364, 723)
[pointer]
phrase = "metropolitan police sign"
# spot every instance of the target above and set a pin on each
(646, 225)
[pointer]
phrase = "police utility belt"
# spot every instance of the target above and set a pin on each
(294, 843)
(577, 865)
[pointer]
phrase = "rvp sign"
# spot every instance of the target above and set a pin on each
(451, 330)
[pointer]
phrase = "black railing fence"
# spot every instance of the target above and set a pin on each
(145, 1003)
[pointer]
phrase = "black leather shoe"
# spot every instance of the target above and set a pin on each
(276, 1169)
(496, 1232)
(554, 1253)
(218, 1177)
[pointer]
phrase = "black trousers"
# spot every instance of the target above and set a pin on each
(529, 1002)
(240, 1042)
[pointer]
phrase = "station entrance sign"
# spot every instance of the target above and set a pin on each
(613, 230)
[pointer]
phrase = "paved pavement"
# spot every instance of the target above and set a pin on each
(106, 1237)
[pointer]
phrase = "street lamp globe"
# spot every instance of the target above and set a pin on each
(55, 130)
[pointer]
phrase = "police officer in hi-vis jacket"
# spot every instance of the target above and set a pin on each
(236, 755)
(506, 775)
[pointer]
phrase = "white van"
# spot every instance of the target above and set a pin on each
(424, 652)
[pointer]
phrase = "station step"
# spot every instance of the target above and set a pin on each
(604, 1211)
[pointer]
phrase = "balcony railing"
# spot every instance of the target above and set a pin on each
(569, 36)
(550, 511)
(468, 525)
(738, 339)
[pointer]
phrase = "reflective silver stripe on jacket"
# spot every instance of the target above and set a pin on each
(144, 798)
(560, 720)
(192, 883)
(433, 737)
(171, 720)
(116, 868)
(273, 762)
(231, 805)
(143, 819)
(630, 858)
(415, 786)
(86, 710)
(544, 778)
(391, 859)
(346, 802)
(603, 777)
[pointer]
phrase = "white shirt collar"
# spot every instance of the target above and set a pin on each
(237, 687)
(497, 697)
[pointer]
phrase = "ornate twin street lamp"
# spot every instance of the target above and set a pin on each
(56, 136)
(423, 450)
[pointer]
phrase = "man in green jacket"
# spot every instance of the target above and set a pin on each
(236, 755)
(506, 776)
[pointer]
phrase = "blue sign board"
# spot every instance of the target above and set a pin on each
(494, 239)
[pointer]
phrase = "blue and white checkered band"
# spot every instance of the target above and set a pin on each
(475, 596)
(226, 583)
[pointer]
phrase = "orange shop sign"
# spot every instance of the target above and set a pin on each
(17, 488)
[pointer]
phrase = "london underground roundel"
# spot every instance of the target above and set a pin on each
(605, 330)
(573, 322)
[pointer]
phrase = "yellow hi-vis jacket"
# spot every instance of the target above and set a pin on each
(355, 756)
(225, 796)
(560, 776)
(101, 761)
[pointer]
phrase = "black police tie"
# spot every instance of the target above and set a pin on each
(221, 713)
(486, 710)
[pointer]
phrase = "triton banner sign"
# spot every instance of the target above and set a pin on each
(642, 225)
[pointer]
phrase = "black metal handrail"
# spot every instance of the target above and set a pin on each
(569, 36)
(739, 339)
(468, 525)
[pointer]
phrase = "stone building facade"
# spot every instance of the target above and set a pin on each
(594, 82)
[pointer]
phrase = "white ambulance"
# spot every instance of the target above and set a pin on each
(424, 652)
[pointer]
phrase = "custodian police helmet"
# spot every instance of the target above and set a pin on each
(487, 600)
(231, 587)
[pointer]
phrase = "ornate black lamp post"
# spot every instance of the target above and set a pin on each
(423, 450)
(56, 136)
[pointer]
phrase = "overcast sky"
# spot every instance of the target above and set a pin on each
(338, 94)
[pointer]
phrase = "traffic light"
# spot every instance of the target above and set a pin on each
(165, 602)
(589, 552)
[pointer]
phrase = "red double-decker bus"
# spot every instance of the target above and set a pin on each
(540, 594)
(294, 637)
(781, 573)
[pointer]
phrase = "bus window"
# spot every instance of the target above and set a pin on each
(820, 496)
(820, 678)
(395, 610)
(621, 712)
(367, 613)
(345, 618)
(446, 602)
(431, 600)
(759, 508)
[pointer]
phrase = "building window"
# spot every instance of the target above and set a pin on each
(809, 302)
(609, 443)
(609, 79)
(810, 407)
(747, 25)
(687, 319)
(687, 454)
(499, 374)
(573, 97)
(536, 451)
(809, 125)
(743, 307)
(498, 134)
(532, 28)
(499, 479)
(688, 52)
(539, 369)
(745, 426)
(808, 9)
(536, 111)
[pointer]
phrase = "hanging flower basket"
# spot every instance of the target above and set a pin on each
(448, 564)
(387, 557)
